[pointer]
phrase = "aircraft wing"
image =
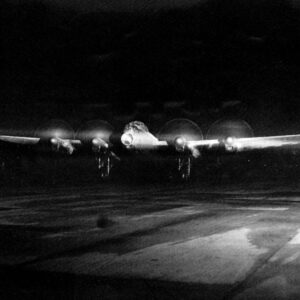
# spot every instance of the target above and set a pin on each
(19, 139)
(32, 140)
(203, 143)
(67, 144)
(239, 144)
(266, 142)
(250, 143)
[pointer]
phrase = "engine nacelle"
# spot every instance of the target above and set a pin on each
(228, 132)
(59, 144)
(231, 144)
(95, 134)
(58, 134)
(179, 132)
(98, 144)
(180, 144)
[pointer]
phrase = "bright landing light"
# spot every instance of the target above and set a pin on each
(54, 141)
(127, 139)
(232, 144)
(180, 143)
(230, 140)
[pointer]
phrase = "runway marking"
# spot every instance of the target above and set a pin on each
(264, 198)
(173, 211)
(296, 239)
(262, 208)
(294, 257)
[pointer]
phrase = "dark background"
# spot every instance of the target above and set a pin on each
(203, 61)
(214, 59)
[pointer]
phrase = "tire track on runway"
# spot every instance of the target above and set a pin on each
(127, 236)
(115, 239)
(241, 286)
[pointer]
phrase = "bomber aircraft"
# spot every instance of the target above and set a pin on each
(180, 138)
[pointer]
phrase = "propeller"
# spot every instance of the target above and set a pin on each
(55, 129)
(95, 132)
(58, 133)
(178, 132)
(228, 130)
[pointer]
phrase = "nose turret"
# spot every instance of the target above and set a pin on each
(127, 139)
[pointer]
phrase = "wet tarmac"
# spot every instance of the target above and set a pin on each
(153, 241)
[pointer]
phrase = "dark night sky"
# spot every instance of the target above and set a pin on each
(200, 52)
(138, 6)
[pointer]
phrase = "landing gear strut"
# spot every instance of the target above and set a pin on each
(184, 164)
(104, 163)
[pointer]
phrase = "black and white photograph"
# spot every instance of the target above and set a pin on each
(150, 149)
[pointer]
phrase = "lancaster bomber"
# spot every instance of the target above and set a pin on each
(179, 138)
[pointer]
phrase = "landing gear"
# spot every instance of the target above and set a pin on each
(104, 163)
(184, 165)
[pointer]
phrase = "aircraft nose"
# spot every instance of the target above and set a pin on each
(127, 139)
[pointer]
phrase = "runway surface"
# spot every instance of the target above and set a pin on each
(111, 241)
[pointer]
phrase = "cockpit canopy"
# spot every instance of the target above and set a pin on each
(136, 126)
